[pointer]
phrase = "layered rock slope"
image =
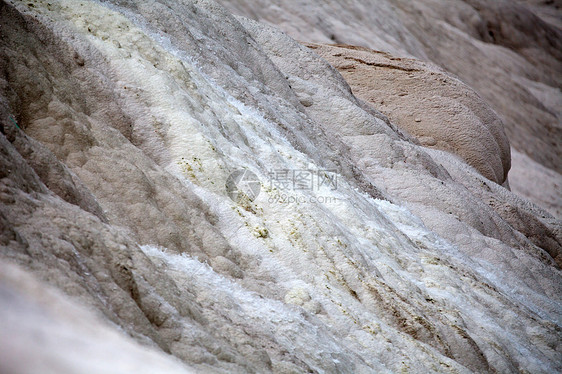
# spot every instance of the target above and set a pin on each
(508, 51)
(121, 122)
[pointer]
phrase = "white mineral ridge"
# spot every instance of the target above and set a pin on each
(130, 117)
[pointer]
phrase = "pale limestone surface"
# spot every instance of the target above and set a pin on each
(508, 51)
(64, 337)
(133, 114)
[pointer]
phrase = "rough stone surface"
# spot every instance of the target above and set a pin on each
(63, 337)
(435, 107)
(540, 185)
(508, 51)
(120, 124)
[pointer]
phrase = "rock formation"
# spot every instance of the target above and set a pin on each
(435, 107)
(121, 250)
(508, 51)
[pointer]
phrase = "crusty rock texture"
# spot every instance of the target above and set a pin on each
(121, 250)
(63, 337)
(435, 107)
(540, 184)
(508, 51)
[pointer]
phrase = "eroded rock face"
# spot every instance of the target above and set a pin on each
(121, 122)
(508, 51)
(540, 184)
(63, 337)
(435, 107)
(401, 169)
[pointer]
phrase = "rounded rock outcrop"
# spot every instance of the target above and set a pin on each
(427, 102)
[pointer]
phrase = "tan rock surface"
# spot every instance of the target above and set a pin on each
(540, 185)
(435, 107)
